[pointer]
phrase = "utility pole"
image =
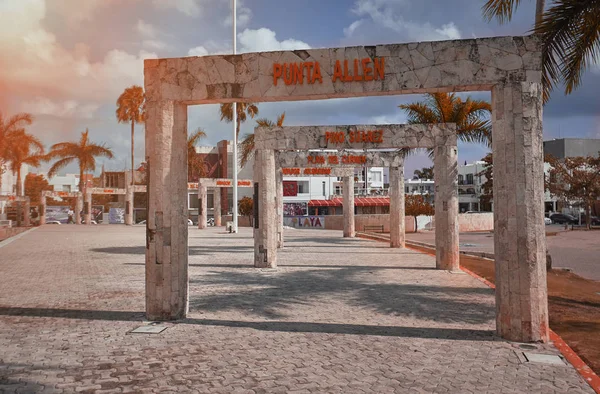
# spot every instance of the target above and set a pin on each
(235, 155)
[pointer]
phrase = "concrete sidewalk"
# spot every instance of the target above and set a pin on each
(339, 315)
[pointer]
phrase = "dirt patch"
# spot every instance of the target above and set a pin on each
(574, 308)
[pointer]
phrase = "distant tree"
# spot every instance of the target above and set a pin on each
(416, 205)
(575, 179)
(23, 149)
(34, 185)
(424, 173)
(9, 128)
(247, 144)
(84, 152)
(246, 208)
(131, 109)
(487, 188)
(195, 162)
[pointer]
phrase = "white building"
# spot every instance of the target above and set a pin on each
(421, 187)
(64, 183)
(9, 185)
(470, 182)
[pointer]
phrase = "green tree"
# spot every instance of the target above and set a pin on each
(34, 185)
(416, 205)
(472, 117)
(247, 144)
(194, 161)
(246, 208)
(424, 173)
(570, 32)
(575, 179)
(9, 128)
(131, 109)
(83, 152)
(24, 149)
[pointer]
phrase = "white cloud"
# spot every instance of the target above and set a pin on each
(388, 14)
(191, 8)
(211, 47)
(154, 44)
(67, 108)
(264, 39)
(348, 31)
(146, 29)
(244, 14)
(198, 51)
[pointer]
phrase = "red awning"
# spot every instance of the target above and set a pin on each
(358, 201)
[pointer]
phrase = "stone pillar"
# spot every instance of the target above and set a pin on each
(348, 206)
(26, 214)
(279, 189)
(445, 175)
(202, 214)
(166, 225)
(397, 222)
(78, 208)
(519, 241)
(87, 208)
(217, 206)
(43, 210)
(128, 199)
(265, 222)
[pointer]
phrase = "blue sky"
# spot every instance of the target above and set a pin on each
(66, 61)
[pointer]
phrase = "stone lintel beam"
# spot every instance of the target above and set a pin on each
(355, 136)
(335, 159)
(311, 171)
(408, 68)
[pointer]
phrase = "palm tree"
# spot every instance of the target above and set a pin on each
(247, 144)
(131, 108)
(84, 152)
(9, 127)
(471, 116)
(570, 32)
(192, 140)
(243, 109)
(21, 152)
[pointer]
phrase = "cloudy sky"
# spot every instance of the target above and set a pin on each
(67, 61)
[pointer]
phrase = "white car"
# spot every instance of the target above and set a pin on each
(547, 221)
(53, 222)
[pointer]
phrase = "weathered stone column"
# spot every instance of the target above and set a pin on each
(87, 209)
(166, 225)
(445, 175)
(348, 206)
(217, 206)
(279, 188)
(265, 222)
(26, 214)
(78, 208)
(43, 210)
(397, 222)
(519, 241)
(202, 206)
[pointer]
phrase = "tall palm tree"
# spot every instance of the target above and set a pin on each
(243, 109)
(192, 140)
(21, 152)
(247, 144)
(570, 32)
(9, 127)
(84, 152)
(131, 109)
(471, 116)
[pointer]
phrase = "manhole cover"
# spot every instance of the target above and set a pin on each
(543, 358)
(149, 329)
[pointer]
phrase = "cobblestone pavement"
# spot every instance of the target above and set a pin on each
(339, 315)
(577, 250)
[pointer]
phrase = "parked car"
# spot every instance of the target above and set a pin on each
(53, 222)
(595, 220)
(547, 221)
(562, 218)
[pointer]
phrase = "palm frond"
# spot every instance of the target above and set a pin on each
(100, 150)
(246, 149)
(59, 165)
(195, 137)
(419, 113)
(226, 112)
(502, 10)
(280, 119)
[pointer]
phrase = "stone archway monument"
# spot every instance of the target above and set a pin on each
(292, 145)
(509, 67)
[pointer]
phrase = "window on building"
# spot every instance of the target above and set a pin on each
(376, 177)
(338, 190)
(302, 187)
(66, 188)
(469, 179)
(193, 201)
(324, 188)
(460, 179)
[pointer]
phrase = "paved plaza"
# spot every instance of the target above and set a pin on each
(339, 315)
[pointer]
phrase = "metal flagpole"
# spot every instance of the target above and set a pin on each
(235, 155)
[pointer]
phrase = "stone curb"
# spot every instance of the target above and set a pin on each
(582, 368)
